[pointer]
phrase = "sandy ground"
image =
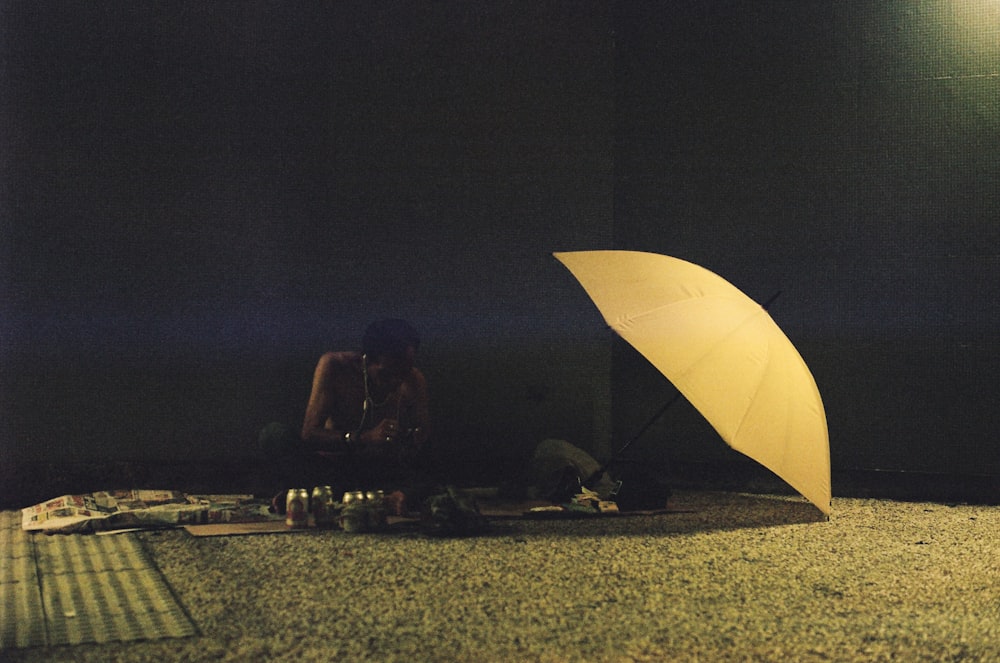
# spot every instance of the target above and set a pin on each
(726, 577)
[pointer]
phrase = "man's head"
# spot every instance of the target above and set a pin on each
(392, 337)
(390, 347)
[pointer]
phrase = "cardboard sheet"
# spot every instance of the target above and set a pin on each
(499, 511)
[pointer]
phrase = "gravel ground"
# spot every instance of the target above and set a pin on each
(729, 577)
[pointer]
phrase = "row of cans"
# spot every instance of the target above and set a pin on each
(299, 504)
(364, 511)
(373, 496)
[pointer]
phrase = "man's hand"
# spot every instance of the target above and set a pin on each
(386, 431)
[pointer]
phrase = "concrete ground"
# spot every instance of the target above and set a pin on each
(725, 576)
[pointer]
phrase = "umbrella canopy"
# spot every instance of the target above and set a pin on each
(723, 352)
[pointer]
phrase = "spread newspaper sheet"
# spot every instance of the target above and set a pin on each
(124, 509)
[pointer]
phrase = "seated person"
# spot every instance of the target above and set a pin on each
(558, 470)
(366, 424)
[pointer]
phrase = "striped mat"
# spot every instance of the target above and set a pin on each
(74, 589)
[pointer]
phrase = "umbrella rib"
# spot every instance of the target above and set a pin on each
(626, 320)
(746, 412)
(733, 331)
(729, 334)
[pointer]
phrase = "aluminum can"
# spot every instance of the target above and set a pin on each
(353, 517)
(376, 513)
(296, 508)
(354, 514)
(322, 506)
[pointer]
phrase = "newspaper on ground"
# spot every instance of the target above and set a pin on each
(138, 508)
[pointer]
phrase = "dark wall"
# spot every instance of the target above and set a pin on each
(844, 154)
(200, 198)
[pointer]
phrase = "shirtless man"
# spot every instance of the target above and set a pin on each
(373, 403)
(367, 420)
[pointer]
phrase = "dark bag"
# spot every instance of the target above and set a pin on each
(451, 514)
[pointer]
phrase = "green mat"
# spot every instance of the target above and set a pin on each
(74, 589)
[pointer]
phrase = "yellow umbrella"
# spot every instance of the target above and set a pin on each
(723, 352)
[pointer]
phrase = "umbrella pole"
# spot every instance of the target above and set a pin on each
(616, 456)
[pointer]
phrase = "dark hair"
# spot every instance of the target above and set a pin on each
(389, 338)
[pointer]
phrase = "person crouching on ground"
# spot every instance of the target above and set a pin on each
(367, 422)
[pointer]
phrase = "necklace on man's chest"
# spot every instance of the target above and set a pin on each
(369, 406)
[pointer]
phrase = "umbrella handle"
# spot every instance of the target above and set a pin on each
(617, 456)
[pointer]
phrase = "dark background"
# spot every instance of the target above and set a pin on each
(198, 199)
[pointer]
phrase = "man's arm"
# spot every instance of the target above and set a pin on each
(315, 432)
(421, 409)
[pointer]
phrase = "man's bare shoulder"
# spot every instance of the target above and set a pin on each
(415, 383)
(417, 376)
(339, 362)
